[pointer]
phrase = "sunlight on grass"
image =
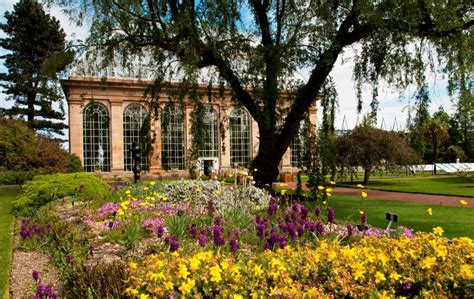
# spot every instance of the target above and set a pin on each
(7, 194)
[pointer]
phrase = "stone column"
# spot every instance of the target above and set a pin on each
(75, 129)
(224, 112)
(155, 130)
(116, 136)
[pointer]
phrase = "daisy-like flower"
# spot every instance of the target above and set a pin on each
(363, 194)
(430, 211)
(463, 202)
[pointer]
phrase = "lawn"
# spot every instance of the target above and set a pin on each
(456, 221)
(445, 185)
(7, 194)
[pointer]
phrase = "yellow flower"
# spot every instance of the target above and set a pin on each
(183, 271)
(144, 296)
(463, 202)
(169, 285)
(198, 190)
(128, 192)
(320, 188)
(428, 263)
(383, 295)
(216, 273)
(283, 192)
(395, 276)
(430, 211)
(379, 277)
(363, 194)
(257, 207)
(120, 212)
(466, 272)
(255, 169)
(257, 270)
(237, 296)
(360, 186)
(132, 265)
(438, 231)
(283, 184)
(218, 192)
(152, 183)
(332, 182)
(145, 188)
(329, 194)
(187, 286)
(361, 212)
(194, 263)
(329, 190)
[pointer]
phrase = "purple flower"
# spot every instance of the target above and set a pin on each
(69, 259)
(202, 239)
(320, 228)
(408, 232)
(331, 215)
(272, 207)
(283, 242)
(266, 246)
(211, 208)
(350, 230)
(407, 285)
(35, 275)
(317, 211)
(217, 232)
(154, 226)
(234, 245)
(218, 221)
(363, 218)
(291, 230)
(194, 230)
(173, 242)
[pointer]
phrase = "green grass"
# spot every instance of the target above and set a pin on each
(7, 194)
(445, 185)
(456, 221)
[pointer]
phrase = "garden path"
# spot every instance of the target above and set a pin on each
(402, 196)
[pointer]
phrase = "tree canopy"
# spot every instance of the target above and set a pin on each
(258, 47)
(37, 52)
(370, 148)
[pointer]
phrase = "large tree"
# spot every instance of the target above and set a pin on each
(257, 47)
(37, 52)
(369, 148)
(422, 116)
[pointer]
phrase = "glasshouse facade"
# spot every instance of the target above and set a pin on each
(107, 116)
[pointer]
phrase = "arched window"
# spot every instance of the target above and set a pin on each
(297, 148)
(239, 137)
(96, 137)
(135, 129)
(172, 138)
(211, 142)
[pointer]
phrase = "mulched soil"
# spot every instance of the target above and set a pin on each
(402, 196)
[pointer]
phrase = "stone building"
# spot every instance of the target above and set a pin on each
(107, 116)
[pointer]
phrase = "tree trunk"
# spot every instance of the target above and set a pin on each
(366, 175)
(270, 153)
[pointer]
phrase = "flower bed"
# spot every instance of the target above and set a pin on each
(205, 239)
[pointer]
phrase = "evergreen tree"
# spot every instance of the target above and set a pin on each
(422, 116)
(37, 52)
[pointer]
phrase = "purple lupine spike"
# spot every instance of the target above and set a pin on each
(291, 230)
(272, 207)
(283, 242)
(320, 228)
(363, 218)
(266, 246)
(174, 244)
(331, 215)
(202, 240)
(194, 231)
(350, 230)
(218, 221)
(304, 212)
(35, 275)
(317, 211)
(234, 245)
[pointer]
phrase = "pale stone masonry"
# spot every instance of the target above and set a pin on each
(116, 94)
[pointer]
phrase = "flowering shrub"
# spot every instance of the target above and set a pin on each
(226, 198)
(426, 265)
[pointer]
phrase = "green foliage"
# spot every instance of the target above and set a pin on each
(97, 281)
(178, 224)
(22, 150)
(132, 231)
(257, 47)
(45, 188)
(7, 220)
(37, 52)
(16, 177)
(422, 116)
(370, 148)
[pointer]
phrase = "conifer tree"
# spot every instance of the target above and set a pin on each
(37, 53)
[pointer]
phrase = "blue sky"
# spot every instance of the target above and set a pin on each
(392, 106)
